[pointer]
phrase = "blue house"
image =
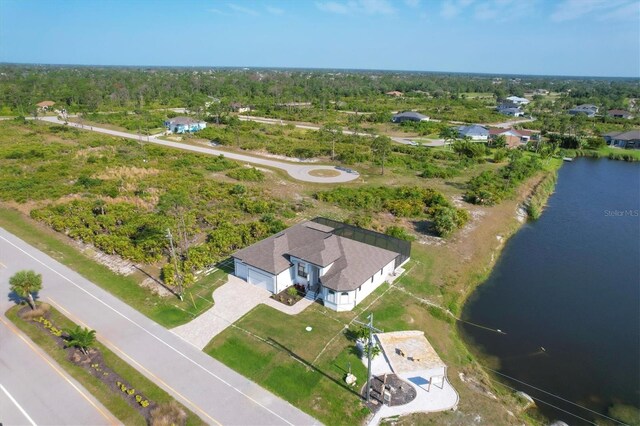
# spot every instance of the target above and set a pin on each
(184, 125)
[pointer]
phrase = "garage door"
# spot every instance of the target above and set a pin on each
(259, 279)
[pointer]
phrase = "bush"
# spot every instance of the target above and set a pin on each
(168, 414)
(399, 232)
(246, 174)
(291, 291)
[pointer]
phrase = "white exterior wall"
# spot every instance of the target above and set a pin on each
(240, 269)
(345, 301)
(284, 280)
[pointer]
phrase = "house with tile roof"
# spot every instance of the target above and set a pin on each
(339, 270)
(513, 137)
(620, 113)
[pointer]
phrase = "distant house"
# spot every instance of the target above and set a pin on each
(513, 137)
(518, 100)
(409, 116)
(541, 92)
(45, 105)
(394, 93)
(629, 139)
(295, 105)
(339, 270)
(619, 113)
(474, 132)
(184, 125)
(586, 109)
(238, 107)
(507, 109)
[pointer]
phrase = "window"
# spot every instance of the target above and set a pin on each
(302, 270)
(381, 271)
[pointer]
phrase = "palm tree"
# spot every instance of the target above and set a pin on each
(449, 134)
(24, 284)
(81, 338)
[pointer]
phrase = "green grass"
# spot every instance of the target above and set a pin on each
(116, 405)
(169, 312)
(281, 359)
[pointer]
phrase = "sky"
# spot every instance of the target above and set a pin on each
(543, 37)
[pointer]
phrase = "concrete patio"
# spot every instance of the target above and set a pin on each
(431, 397)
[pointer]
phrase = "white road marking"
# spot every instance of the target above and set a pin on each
(2, 265)
(24, 413)
(212, 374)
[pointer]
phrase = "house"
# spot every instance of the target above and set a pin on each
(475, 132)
(541, 92)
(518, 100)
(409, 116)
(395, 93)
(619, 113)
(45, 105)
(629, 139)
(514, 138)
(586, 109)
(330, 259)
(509, 110)
(238, 107)
(184, 125)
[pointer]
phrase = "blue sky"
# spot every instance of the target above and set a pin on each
(557, 37)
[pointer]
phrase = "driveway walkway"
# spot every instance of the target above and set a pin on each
(210, 389)
(296, 171)
(232, 301)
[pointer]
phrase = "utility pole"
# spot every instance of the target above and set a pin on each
(370, 344)
(175, 263)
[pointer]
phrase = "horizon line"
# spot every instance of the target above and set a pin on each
(2, 63)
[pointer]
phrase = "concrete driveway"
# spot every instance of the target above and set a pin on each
(210, 389)
(231, 302)
(296, 171)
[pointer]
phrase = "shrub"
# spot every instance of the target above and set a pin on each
(168, 414)
(399, 232)
(246, 174)
(291, 291)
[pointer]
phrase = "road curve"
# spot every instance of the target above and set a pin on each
(210, 389)
(296, 171)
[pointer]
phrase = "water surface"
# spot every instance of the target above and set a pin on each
(566, 290)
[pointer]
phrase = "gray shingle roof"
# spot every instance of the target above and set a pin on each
(409, 115)
(353, 262)
(625, 136)
(473, 130)
(182, 120)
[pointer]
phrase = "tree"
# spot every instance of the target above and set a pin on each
(82, 338)
(381, 147)
(499, 141)
(449, 134)
(24, 284)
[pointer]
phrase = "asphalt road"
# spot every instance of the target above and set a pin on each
(296, 171)
(34, 389)
(210, 389)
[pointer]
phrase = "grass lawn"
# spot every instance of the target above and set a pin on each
(169, 312)
(283, 360)
(116, 405)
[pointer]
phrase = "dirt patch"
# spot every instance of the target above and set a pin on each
(113, 262)
(324, 173)
(125, 172)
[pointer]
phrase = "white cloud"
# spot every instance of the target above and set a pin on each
(274, 10)
(573, 9)
(453, 8)
(333, 7)
(629, 12)
(217, 11)
(367, 7)
(503, 10)
(243, 10)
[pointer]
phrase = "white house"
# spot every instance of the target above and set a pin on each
(338, 270)
(518, 100)
(184, 125)
(475, 132)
